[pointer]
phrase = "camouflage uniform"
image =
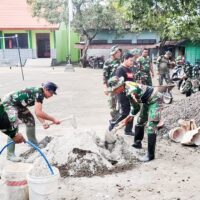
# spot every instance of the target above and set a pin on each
(150, 105)
(109, 69)
(136, 71)
(180, 60)
(163, 64)
(144, 70)
(5, 126)
(191, 83)
(136, 66)
(15, 105)
(150, 113)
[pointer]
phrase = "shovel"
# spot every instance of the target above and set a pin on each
(71, 119)
(110, 136)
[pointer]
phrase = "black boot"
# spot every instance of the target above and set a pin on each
(151, 148)
(128, 128)
(139, 135)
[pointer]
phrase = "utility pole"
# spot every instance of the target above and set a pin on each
(17, 42)
(69, 66)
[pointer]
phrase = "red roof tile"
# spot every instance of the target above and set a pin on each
(16, 14)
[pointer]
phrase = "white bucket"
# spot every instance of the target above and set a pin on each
(43, 187)
(15, 178)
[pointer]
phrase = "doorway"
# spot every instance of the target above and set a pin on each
(43, 45)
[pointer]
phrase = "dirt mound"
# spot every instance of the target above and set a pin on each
(187, 108)
(82, 153)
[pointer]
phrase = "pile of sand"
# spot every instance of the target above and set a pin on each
(82, 153)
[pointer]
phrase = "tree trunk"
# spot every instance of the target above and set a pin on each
(162, 46)
(83, 59)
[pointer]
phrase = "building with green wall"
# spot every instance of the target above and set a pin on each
(36, 37)
(62, 45)
(192, 52)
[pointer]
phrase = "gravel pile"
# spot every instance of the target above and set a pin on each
(187, 108)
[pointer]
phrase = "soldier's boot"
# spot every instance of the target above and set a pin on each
(128, 128)
(30, 132)
(139, 135)
(10, 152)
(151, 149)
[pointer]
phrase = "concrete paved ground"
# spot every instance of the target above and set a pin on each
(81, 93)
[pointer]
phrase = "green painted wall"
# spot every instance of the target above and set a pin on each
(192, 52)
(75, 53)
(32, 37)
(30, 43)
(62, 45)
(58, 41)
(1, 40)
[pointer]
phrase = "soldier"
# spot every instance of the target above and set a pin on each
(125, 71)
(135, 68)
(136, 54)
(190, 83)
(180, 59)
(163, 64)
(146, 68)
(150, 112)
(6, 128)
(15, 105)
(109, 69)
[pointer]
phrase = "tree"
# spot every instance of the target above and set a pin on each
(172, 19)
(90, 16)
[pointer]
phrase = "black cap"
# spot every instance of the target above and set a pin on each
(50, 86)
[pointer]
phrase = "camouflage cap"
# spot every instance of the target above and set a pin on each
(116, 82)
(135, 51)
(114, 50)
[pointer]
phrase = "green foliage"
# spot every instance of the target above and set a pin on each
(54, 11)
(172, 19)
(90, 16)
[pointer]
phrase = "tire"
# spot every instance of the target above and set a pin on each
(186, 87)
(189, 93)
(167, 97)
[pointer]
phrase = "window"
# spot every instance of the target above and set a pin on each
(11, 43)
(146, 41)
(122, 41)
(99, 42)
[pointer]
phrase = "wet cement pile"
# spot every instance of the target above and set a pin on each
(82, 153)
(187, 108)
